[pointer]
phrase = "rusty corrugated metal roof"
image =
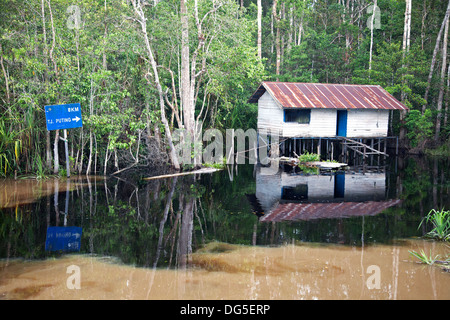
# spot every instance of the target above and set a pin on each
(328, 96)
(311, 211)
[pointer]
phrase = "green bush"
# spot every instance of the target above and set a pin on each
(309, 157)
(419, 127)
(441, 224)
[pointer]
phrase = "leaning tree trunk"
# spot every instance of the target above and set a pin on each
(433, 59)
(405, 47)
(441, 86)
(448, 96)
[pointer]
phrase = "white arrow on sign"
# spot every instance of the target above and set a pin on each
(76, 119)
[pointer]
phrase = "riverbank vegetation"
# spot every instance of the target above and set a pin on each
(142, 69)
(440, 220)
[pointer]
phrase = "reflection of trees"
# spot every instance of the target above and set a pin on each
(159, 223)
(164, 219)
(186, 228)
(156, 224)
(150, 225)
(424, 186)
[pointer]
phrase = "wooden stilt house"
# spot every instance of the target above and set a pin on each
(324, 110)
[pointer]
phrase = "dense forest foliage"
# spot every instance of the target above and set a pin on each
(142, 69)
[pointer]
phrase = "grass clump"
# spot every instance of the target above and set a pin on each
(423, 257)
(308, 157)
(430, 260)
(303, 163)
(216, 165)
(441, 224)
(440, 219)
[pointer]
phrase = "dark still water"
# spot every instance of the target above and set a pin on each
(152, 223)
(243, 232)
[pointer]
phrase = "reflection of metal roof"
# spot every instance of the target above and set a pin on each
(311, 211)
(328, 96)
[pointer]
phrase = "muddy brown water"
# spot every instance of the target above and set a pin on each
(289, 273)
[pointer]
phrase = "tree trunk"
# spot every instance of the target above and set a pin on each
(80, 164)
(371, 35)
(6, 77)
(406, 39)
(348, 35)
(433, 59)
(91, 138)
(259, 29)
(422, 29)
(441, 87)
(277, 38)
(56, 153)
(405, 47)
(448, 96)
(55, 67)
(407, 27)
(185, 82)
(48, 150)
(91, 141)
(291, 27)
(107, 155)
(45, 53)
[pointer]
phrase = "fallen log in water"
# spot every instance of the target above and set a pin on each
(199, 171)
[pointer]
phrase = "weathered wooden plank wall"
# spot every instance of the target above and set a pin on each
(361, 123)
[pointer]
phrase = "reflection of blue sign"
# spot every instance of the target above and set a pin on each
(63, 239)
(63, 116)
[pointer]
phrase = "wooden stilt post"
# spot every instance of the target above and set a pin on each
(295, 146)
(371, 158)
(319, 146)
(332, 150)
(364, 160)
(396, 147)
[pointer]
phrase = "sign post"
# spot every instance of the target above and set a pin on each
(64, 116)
(66, 147)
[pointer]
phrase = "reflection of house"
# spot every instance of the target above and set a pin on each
(311, 211)
(285, 196)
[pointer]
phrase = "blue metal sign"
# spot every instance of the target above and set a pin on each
(63, 239)
(63, 116)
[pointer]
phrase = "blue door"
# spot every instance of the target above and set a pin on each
(341, 129)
